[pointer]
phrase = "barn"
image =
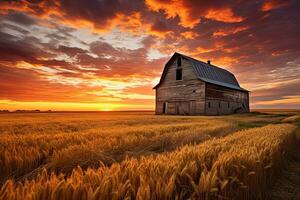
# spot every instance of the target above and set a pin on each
(191, 87)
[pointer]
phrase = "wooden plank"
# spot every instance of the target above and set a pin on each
(221, 100)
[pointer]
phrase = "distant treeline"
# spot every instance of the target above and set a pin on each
(26, 111)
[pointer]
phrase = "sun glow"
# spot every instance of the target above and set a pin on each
(72, 106)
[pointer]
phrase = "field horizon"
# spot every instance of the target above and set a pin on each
(104, 111)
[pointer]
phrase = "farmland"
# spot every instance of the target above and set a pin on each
(137, 155)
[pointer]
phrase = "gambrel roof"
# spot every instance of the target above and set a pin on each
(207, 73)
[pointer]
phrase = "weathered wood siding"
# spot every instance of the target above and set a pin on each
(221, 100)
(186, 96)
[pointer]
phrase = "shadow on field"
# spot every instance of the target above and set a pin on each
(287, 185)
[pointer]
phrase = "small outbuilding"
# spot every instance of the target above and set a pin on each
(191, 87)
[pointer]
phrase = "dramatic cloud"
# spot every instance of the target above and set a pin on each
(108, 54)
(190, 12)
(273, 4)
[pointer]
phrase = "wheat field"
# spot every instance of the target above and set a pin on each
(137, 155)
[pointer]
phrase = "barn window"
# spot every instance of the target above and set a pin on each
(179, 62)
(179, 74)
(208, 104)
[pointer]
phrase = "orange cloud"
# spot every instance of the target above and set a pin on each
(273, 4)
(189, 34)
(43, 9)
(225, 32)
(5, 7)
(130, 21)
(53, 89)
(223, 15)
(172, 9)
(127, 21)
(226, 61)
(204, 50)
(190, 14)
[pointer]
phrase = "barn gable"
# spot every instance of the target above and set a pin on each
(207, 73)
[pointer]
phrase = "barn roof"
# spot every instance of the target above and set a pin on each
(208, 73)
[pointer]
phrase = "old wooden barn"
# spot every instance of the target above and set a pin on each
(190, 87)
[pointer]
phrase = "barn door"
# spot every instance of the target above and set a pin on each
(192, 106)
(165, 107)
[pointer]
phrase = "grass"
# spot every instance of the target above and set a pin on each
(141, 156)
(245, 125)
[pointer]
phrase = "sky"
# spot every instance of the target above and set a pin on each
(108, 54)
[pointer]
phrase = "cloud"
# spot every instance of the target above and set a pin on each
(71, 51)
(285, 100)
(34, 87)
(31, 87)
(21, 18)
(52, 67)
(230, 31)
(273, 4)
(12, 49)
(223, 15)
(189, 34)
(191, 12)
(99, 15)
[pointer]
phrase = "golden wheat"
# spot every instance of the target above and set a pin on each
(237, 166)
(293, 118)
(87, 141)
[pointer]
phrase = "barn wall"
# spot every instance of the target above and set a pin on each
(184, 96)
(221, 101)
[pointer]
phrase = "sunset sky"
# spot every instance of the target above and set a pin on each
(108, 54)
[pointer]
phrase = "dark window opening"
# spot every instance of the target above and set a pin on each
(219, 105)
(194, 91)
(164, 108)
(178, 74)
(179, 62)
(208, 104)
